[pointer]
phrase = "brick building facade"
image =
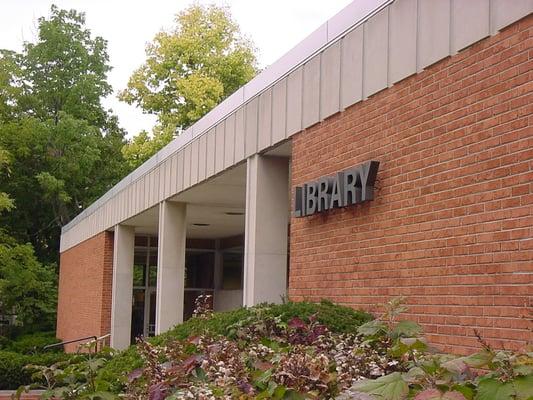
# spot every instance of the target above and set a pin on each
(438, 92)
(85, 281)
(451, 224)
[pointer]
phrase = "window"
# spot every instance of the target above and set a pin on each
(232, 265)
(199, 269)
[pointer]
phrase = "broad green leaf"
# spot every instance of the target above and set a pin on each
(389, 387)
(414, 375)
(523, 385)
(493, 389)
(457, 366)
(405, 345)
(479, 360)
(468, 390)
(406, 329)
(372, 328)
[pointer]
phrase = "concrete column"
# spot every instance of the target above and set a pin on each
(122, 286)
(170, 265)
(267, 218)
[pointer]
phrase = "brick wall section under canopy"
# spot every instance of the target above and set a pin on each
(451, 226)
(85, 283)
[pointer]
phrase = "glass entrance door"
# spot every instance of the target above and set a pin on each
(144, 290)
(137, 314)
(143, 313)
(150, 309)
(199, 279)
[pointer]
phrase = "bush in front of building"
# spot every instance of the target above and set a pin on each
(338, 319)
(287, 352)
(31, 343)
(12, 367)
(267, 354)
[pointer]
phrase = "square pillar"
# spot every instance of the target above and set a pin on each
(266, 230)
(122, 291)
(170, 265)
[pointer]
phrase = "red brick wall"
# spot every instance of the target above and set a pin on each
(85, 283)
(451, 226)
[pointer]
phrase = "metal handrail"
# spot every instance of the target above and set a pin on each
(50, 346)
(93, 338)
(97, 340)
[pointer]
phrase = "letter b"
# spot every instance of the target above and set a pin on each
(310, 198)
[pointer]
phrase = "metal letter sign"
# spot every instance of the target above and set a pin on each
(353, 186)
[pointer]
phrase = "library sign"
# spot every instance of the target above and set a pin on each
(352, 186)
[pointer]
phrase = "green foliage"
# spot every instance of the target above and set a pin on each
(30, 343)
(12, 367)
(270, 352)
(338, 319)
(64, 147)
(27, 288)
(391, 387)
(188, 71)
(67, 69)
(288, 351)
(143, 146)
(6, 203)
(73, 378)
(114, 375)
(10, 89)
(520, 388)
(440, 376)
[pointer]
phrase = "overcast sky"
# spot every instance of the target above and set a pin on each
(275, 26)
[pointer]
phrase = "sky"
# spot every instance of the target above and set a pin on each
(275, 26)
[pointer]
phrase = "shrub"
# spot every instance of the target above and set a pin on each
(32, 343)
(113, 376)
(12, 371)
(338, 319)
(280, 352)
(287, 352)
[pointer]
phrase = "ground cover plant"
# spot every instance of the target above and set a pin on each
(29, 343)
(12, 366)
(294, 351)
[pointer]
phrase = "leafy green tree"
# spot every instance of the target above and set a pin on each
(188, 71)
(10, 87)
(6, 203)
(143, 146)
(65, 147)
(67, 70)
(27, 288)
